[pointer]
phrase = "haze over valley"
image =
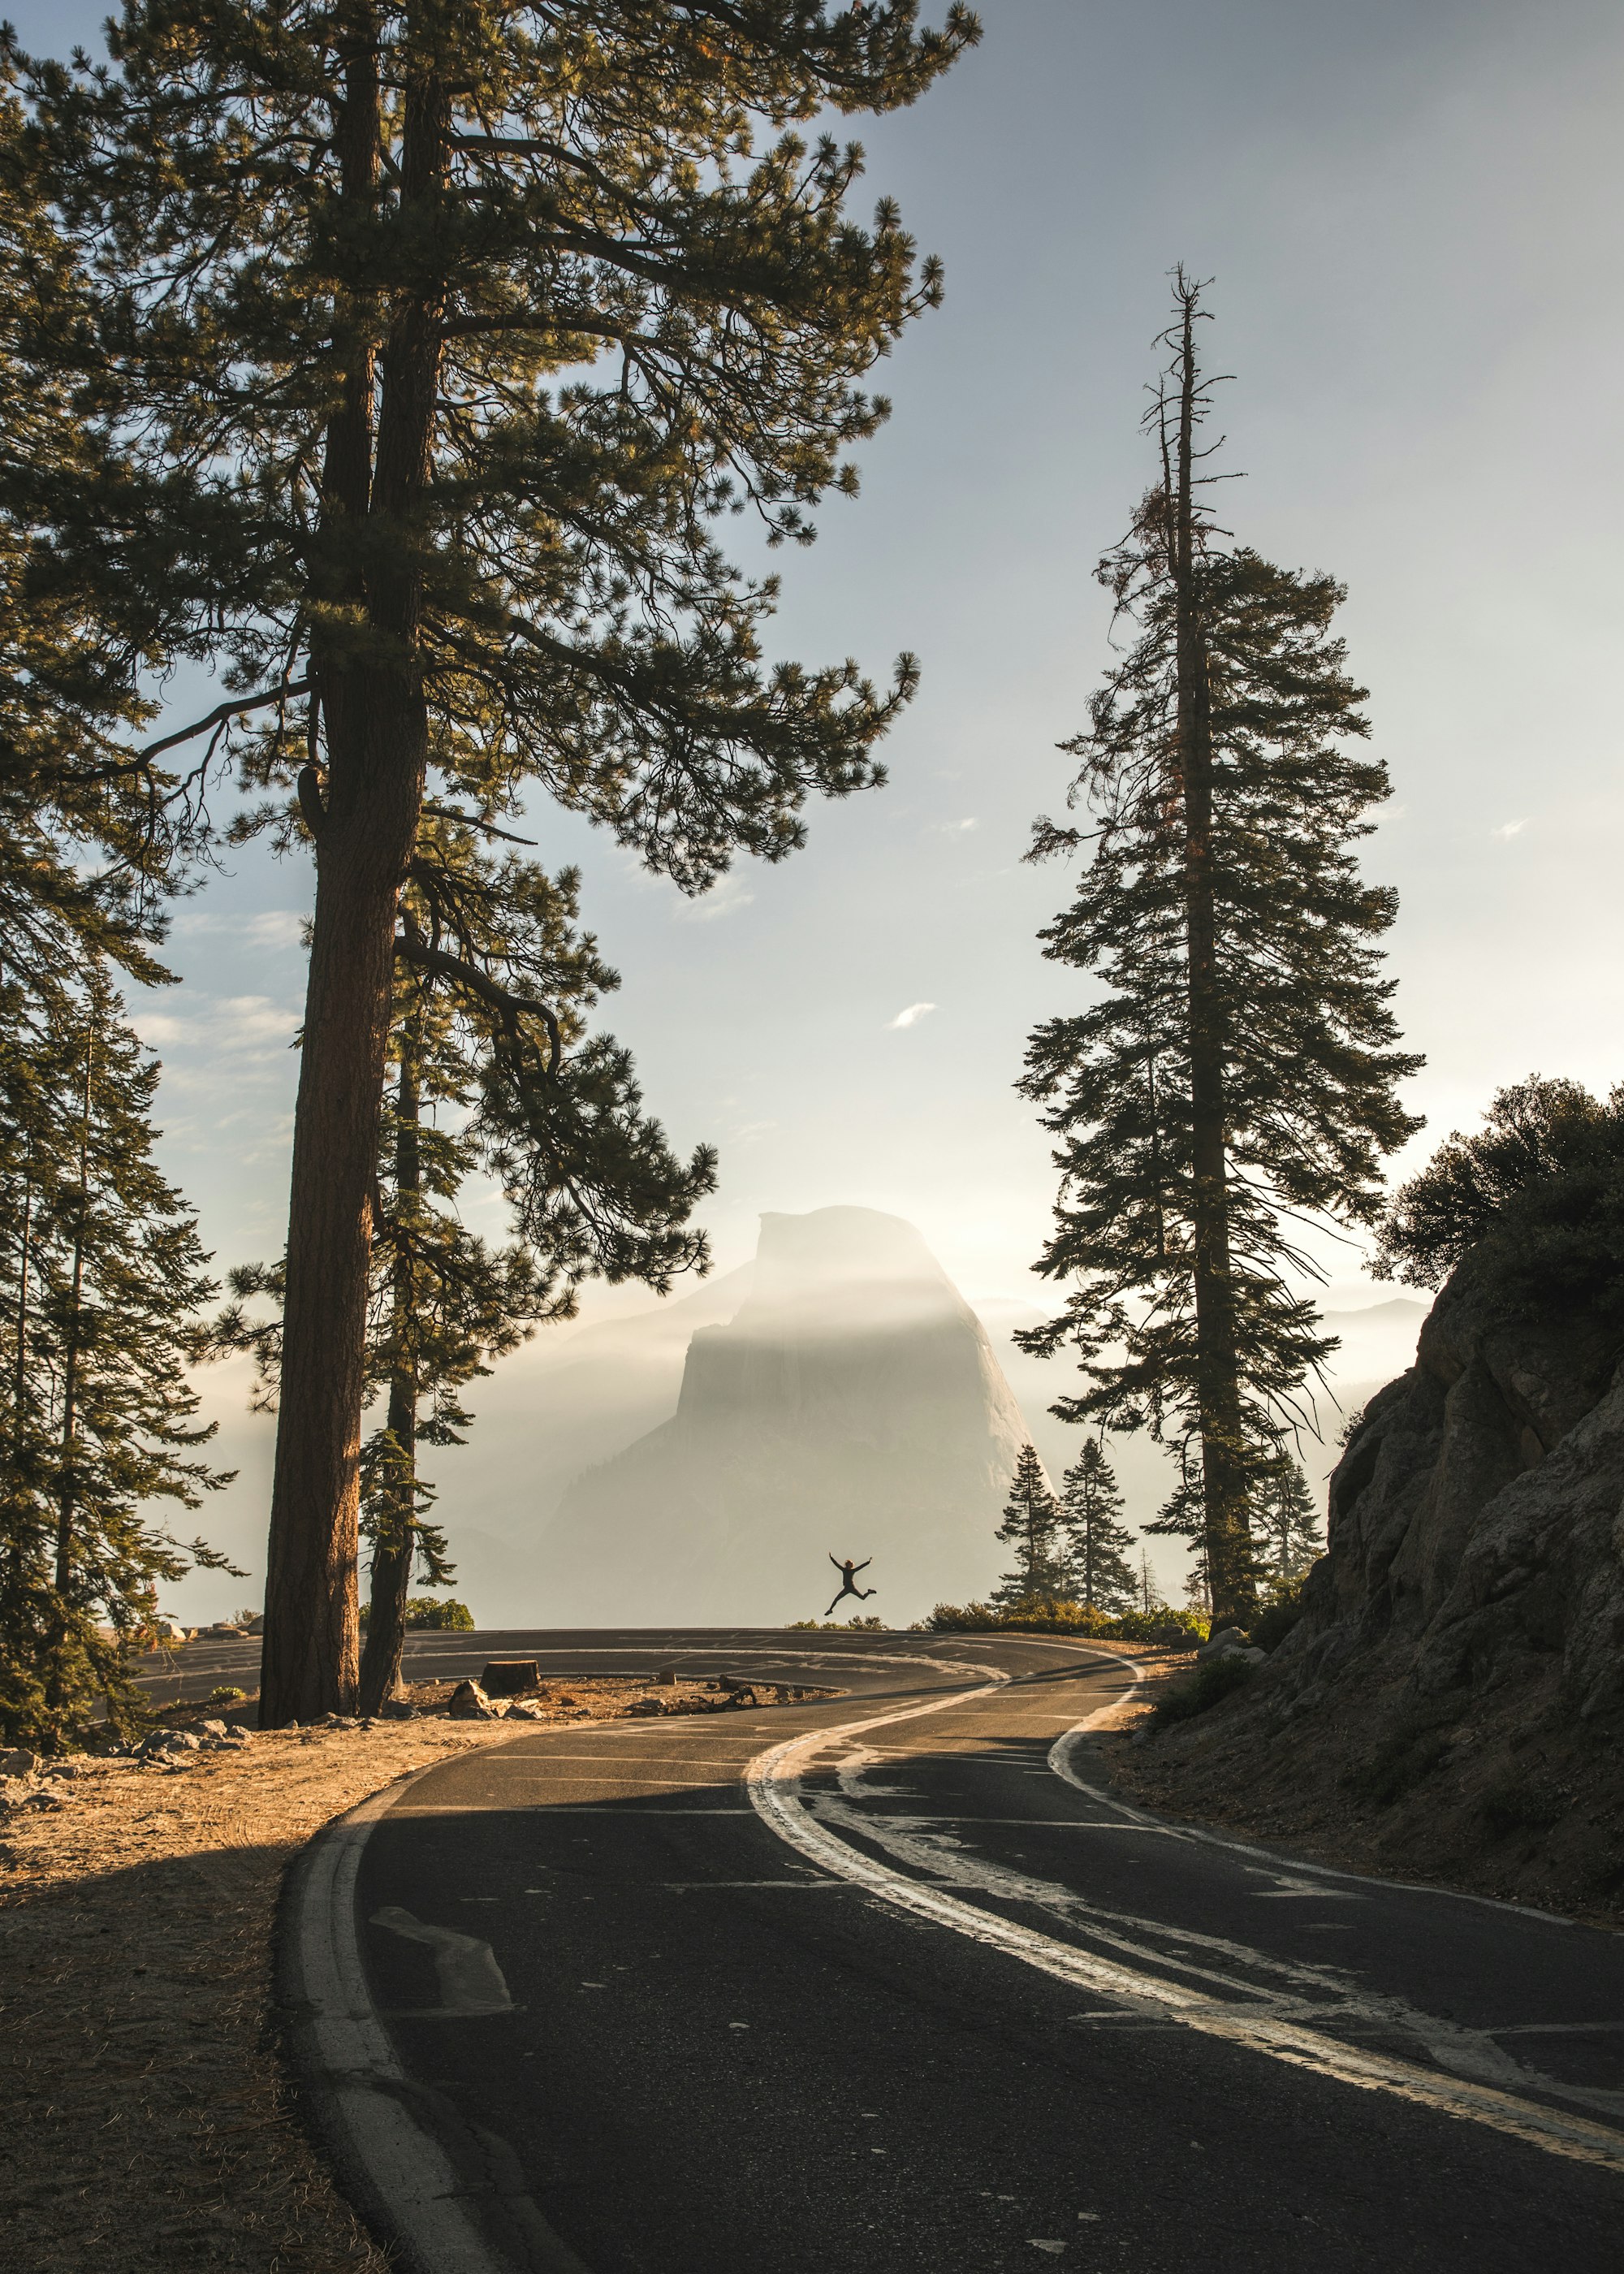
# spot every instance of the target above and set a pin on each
(698, 1459)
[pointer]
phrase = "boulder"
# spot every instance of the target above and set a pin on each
(211, 1729)
(526, 1710)
(1227, 1638)
(469, 1703)
(18, 1762)
(170, 1740)
(397, 1709)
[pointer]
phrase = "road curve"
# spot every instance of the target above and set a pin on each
(890, 1982)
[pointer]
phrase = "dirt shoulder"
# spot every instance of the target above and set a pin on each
(1500, 1793)
(147, 2116)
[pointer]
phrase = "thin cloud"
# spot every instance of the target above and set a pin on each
(724, 897)
(957, 828)
(911, 1016)
(271, 928)
(1508, 829)
(251, 1025)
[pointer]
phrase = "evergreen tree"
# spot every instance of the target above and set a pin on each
(591, 1184)
(1237, 1075)
(1541, 1182)
(1182, 1516)
(100, 1278)
(1030, 1525)
(446, 334)
(85, 834)
(1097, 1571)
(1291, 1536)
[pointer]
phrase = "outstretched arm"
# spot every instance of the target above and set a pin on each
(835, 1560)
(863, 1566)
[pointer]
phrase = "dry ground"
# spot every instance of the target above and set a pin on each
(1500, 1793)
(145, 2120)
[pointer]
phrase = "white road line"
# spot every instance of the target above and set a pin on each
(362, 2094)
(772, 1784)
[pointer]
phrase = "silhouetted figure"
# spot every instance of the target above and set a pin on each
(848, 1571)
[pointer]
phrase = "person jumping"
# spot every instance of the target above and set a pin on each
(848, 1571)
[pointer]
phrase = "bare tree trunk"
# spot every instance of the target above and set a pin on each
(394, 1548)
(1223, 1459)
(377, 756)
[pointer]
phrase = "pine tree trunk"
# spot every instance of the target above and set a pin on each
(393, 1549)
(1224, 1465)
(63, 1575)
(377, 754)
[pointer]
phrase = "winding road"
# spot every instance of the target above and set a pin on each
(888, 1982)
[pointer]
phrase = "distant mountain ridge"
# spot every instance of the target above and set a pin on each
(576, 1401)
(853, 1405)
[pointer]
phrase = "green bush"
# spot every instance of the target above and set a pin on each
(225, 1695)
(453, 1617)
(1204, 1688)
(425, 1611)
(1274, 1622)
(1040, 1614)
(836, 1626)
(1538, 1190)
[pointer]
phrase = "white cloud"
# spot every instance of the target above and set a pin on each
(252, 1024)
(1508, 829)
(724, 897)
(271, 928)
(911, 1016)
(957, 828)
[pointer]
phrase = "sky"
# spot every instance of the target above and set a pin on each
(1412, 218)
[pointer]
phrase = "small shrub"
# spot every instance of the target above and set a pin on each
(1274, 1622)
(1516, 1805)
(1042, 1614)
(425, 1611)
(844, 1626)
(226, 1695)
(1203, 1689)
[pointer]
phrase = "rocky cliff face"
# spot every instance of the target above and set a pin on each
(1474, 1516)
(1453, 1697)
(853, 1405)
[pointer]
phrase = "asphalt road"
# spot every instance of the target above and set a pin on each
(762, 1993)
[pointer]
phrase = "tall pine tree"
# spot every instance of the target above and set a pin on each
(1094, 1537)
(1031, 1527)
(459, 325)
(102, 1277)
(1236, 1075)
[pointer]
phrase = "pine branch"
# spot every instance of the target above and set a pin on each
(411, 947)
